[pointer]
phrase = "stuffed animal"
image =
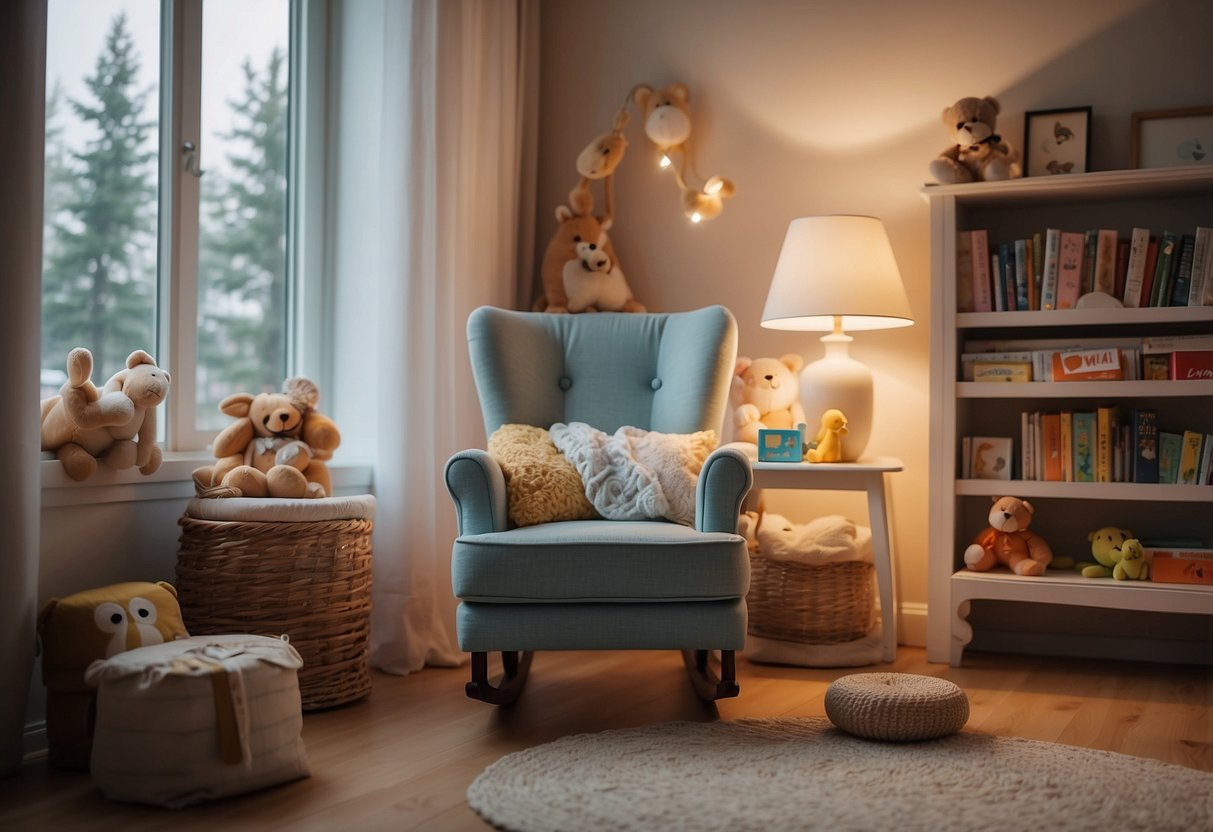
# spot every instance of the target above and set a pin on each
(598, 161)
(766, 395)
(116, 424)
(89, 626)
(1107, 548)
(977, 153)
(1132, 565)
(1007, 541)
(276, 448)
(828, 444)
(592, 282)
(667, 123)
(576, 230)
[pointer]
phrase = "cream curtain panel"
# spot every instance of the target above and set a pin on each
(22, 100)
(433, 191)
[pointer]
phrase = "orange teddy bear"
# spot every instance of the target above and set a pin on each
(1008, 541)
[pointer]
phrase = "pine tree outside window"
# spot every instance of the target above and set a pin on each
(171, 154)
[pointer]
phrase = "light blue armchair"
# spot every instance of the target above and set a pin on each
(601, 584)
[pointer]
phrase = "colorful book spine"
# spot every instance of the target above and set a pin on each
(1169, 445)
(999, 289)
(1105, 262)
(1030, 264)
(1021, 276)
(1168, 256)
(1048, 291)
(1145, 445)
(1122, 267)
(1038, 259)
(1067, 446)
(1084, 447)
(1006, 258)
(1051, 445)
(964, 271)
(1206, 461)
(1069, 270)
(1147, 280)
(983, 299)
(1107, 428)
(1135, 270)
(1202, 255)
(1189, 457)
(1091, 245)
(1183, 272)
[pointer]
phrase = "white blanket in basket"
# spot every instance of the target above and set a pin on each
(831, 539)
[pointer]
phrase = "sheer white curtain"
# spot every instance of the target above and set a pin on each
(22, 100)
(434, 204)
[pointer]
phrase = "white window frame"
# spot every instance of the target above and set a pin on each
(309, 312)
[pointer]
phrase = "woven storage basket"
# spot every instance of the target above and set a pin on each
(829, 603)
(307, 578)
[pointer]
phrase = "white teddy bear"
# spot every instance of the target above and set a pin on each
(766, 395)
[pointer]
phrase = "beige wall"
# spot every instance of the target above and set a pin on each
(833, 107)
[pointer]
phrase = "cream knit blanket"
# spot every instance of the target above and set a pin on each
(636, 474)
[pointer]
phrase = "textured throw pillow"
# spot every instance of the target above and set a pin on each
(541, 485)
(636, 474)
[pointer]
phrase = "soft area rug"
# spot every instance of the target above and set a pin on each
(804, 774)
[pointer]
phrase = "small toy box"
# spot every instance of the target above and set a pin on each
(780, 445)
(1181, 566)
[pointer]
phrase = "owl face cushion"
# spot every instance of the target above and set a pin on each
(98, 623)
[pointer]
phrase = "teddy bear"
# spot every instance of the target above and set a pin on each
(276, 448)
(576, 228)
(1008, 541)
(1132, 565)
(977, 153)
(592, 282)
(766, 395)
(1107, 546)
(827, 447)
(116, 424)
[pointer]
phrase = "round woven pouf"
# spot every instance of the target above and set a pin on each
(896, 706)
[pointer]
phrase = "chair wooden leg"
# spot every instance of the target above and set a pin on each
(708, 685)
(516, 666)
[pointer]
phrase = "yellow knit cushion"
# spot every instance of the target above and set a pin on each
(541, 485)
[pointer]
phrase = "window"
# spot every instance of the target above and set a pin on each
(171, 160)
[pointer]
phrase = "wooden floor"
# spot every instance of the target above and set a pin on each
(403, 758)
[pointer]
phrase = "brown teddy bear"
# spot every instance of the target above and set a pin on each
(276, 448)
(116, 424)
(577, 229)
(977, 153)
(766, 395)
(1008, 541)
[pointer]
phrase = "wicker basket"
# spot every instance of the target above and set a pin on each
(309, 579)
(829, 603)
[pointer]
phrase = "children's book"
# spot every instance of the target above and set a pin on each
(1084, 447)
(1145, 445)
(1169, 445)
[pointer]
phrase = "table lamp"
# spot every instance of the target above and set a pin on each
(837, 273)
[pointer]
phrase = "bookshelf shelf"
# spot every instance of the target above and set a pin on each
(1083, 389)
(1171, 198)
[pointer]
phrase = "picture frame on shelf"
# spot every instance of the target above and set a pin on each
(991, 458)
(1172, 138)
(1057, 141)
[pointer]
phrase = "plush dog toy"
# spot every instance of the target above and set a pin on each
(116, 424)
(592, 282)
(575, 233)
(1132, 565)
(977, 153)
(1007, 541)
(766, 395)
(276, 448)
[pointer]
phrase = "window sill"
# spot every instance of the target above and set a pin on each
(172, 481)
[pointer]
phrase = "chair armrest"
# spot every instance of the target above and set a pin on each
(724, 481)
(477, 486)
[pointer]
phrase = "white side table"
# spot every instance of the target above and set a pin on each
(865, 475)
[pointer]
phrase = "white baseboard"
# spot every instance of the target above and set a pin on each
(912, 624)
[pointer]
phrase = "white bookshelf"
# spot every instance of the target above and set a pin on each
(1175, 199)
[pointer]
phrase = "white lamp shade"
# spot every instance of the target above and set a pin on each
(836, 266)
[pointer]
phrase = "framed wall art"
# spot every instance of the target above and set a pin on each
(1057, 141)
(1172, 138)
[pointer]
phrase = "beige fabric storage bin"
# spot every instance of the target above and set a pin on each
(196, 719)
(295, 567)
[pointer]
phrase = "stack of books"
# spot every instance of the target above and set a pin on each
(1052, 269)
(1178, 357)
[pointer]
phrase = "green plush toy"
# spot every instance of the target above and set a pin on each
(1133, 565)
(1107, 548)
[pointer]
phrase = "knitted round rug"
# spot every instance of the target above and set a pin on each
(804, 774)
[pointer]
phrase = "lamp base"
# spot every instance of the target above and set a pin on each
(840, 382)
